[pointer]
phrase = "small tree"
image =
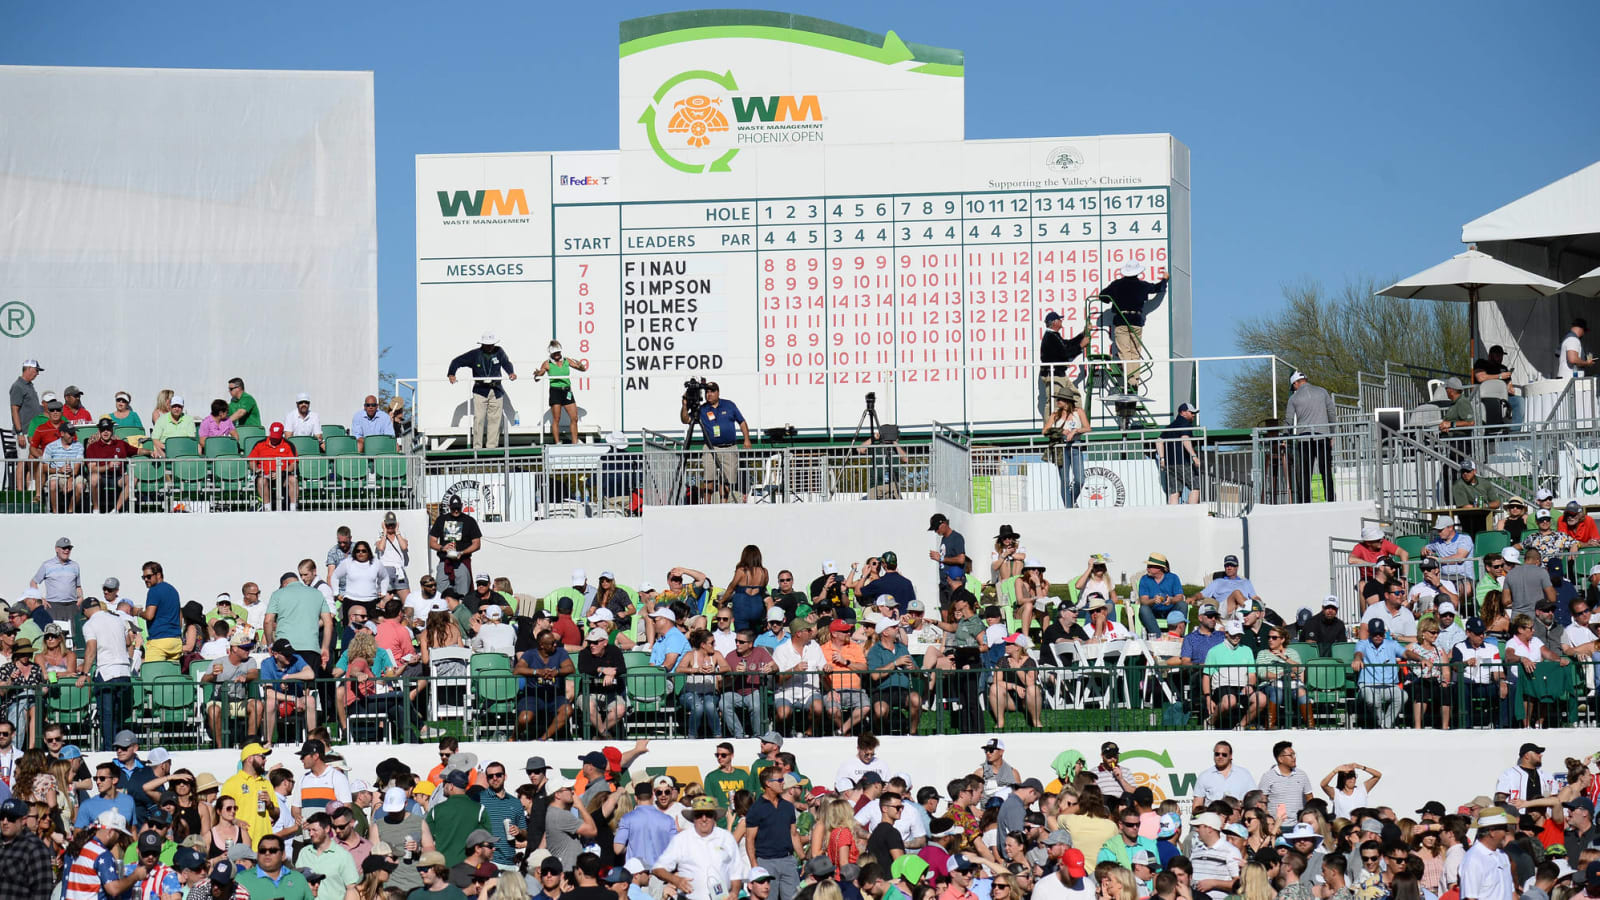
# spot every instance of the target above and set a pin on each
(1331, 338)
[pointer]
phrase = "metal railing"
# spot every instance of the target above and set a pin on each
(1335, 465)
(1131, 469)
(601, 482)
(213, 484)
(832, 407)
(1104, 686)
(1346, 578)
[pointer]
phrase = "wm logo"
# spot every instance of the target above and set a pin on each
(483, 203)
(778, 109)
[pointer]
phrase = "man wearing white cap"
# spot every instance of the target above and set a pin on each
(1217, 863)
(24, 406)
(1228, 680)
(176, 423)
(487, 362)
(1374, 546)
(301, 421)
(1130, 293)
(1311, 412)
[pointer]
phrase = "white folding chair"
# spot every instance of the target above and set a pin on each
(448, 706)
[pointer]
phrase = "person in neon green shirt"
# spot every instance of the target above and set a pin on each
(559, 368)
(176, 423)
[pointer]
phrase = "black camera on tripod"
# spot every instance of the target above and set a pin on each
(694, 392)
(872, 400)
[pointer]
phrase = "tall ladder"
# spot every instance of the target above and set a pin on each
(1121, 406)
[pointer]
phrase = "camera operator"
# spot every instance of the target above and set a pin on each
(720, 462)
(885, 456)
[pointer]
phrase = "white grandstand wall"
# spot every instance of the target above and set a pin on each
(204, 554)
(1414, 771)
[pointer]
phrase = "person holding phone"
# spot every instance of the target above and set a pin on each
(394, 554)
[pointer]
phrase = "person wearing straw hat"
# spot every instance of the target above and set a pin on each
(703, 862)
(1129, 293)
(1485, 869)
(1160, 594)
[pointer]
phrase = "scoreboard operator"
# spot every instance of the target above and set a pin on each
(720, 462)
(1055, 348)
(1130, 293)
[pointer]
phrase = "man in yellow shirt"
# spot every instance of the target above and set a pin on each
(258, 807)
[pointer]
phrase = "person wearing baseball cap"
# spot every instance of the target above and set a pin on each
(272, 460)
(1227, 681)
(884, 579)
(1055, 351)
(1376, 664)
(1481, 674)
(1231, 592)
(1517, 782)
(28, 860)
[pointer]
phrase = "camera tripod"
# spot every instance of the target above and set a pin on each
(870, 414)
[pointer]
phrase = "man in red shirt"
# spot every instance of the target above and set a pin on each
(105, 454)
(73, 411)
(273, 462)
(1575, 523)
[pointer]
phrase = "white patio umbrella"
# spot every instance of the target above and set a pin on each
(1470, 277)
(1585, 285)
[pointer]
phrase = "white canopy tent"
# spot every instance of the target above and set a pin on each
(1554, 232)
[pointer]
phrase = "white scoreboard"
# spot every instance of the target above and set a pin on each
(792, 214)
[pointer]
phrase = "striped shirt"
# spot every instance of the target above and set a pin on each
(499, 809)
(83, 873)
(317, 792)
(161, 881)
(1286, 794)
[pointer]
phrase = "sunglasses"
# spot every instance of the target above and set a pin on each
(1366, 858)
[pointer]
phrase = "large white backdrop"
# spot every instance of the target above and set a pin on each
(174, 228)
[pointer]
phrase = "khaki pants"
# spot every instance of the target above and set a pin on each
(1127, 337)
(486, 415)
(720, 467)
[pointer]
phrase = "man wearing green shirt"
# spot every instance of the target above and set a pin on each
(1230, 677)
(176, 423)
(242, 407)
(726, 780)
(326, 857)
(446, 826)
(296, 612)
(1460, 413)
(272, 878)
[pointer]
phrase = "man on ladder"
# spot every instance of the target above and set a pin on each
(1130, 293)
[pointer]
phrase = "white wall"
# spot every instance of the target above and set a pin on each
(1289, 550)
(205, 554)
(1414, 771)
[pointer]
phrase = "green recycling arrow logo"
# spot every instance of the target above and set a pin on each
(695, 118)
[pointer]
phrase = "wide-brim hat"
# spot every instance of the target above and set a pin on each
(1006, 531)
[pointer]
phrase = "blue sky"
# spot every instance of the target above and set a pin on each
(1330, 141)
